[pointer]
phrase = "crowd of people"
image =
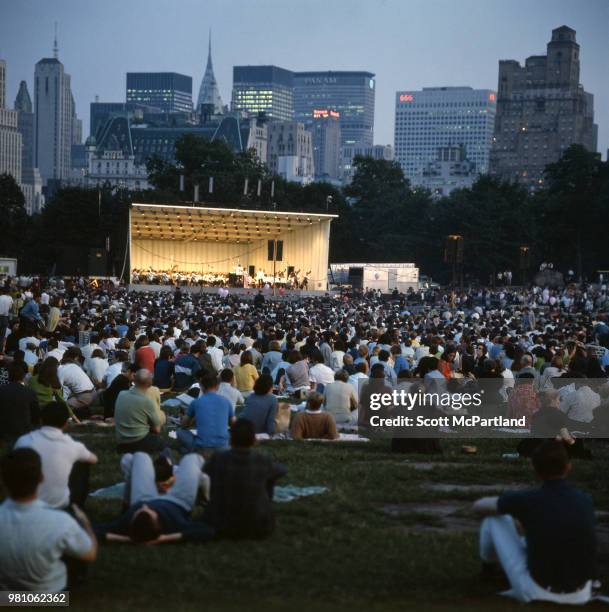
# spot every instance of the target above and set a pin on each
(79, 352)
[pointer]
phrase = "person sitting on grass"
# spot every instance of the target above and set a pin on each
(211, 414)
(555, 561)
(65, 462)
(35, 537)
(136, 419)
(312, 423)
(156, 517)
(242, 482)
(261, 406)
(228, 388)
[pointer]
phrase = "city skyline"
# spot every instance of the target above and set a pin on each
(408, 45)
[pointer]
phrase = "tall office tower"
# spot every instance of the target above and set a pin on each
(10, 138)
(31, 182)
(290, 151)
(169, 91)
(25, 123)
(263, 89)
(325, 131)
(349, 93)
(541, 109)
(437, 117)
(209, 94)
(55, 120)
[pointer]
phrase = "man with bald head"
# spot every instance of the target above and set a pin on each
(136, 419)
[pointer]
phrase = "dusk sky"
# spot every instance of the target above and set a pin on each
(408, 44)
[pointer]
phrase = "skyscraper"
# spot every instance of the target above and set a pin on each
(55, 121)
(350, 93)
(10, 138)
(325, 132)
(541, 109)
(209, 94)
(438, 117)
(263, 89)
(25, 122)
(169, 91)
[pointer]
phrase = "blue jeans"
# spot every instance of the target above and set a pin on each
(188, 442)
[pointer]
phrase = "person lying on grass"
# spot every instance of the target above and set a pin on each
(555, 561)
(156, 517)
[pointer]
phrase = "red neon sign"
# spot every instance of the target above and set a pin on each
(323, 113)
(406, 98)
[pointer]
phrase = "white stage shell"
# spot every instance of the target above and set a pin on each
(216, 240)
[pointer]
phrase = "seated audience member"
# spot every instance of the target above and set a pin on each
(19, 408)
(211, 414)
(144, 354)
(312, 423)
(272, 358)
(122, 382)
(359, 377)
(297, 373)
(34, 537)
(580, 404)
(153, 517)
(97, 366)
(116, 368)
(228, 389)
(261, 406)
(556, 559)
(186, 368)
(45, 383)
(242, 482)
(245, 373)
(340, 399)
(522, 401)
(136, 419)
(78, 389)
(65, 462)
(550, 423)
(399, 361)
(319, 373)
(164, 369)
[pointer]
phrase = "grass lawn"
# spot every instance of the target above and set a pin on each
(340, 550)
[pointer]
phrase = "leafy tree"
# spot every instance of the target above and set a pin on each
(14, 217)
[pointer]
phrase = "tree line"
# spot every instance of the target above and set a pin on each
(381, 216)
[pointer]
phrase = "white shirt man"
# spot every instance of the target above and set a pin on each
(73, 380)
(156, 347)
(112, 372)
(58, 453)
(321, 374)
(217, 355)
(97, 368)
(232, 394)
(356, 380)
(580, 404)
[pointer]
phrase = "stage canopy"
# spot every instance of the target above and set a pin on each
(201, 239)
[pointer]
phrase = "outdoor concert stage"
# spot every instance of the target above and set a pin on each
(220, 241)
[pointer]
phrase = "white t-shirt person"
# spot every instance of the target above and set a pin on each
(34, 538)
(58, 454)
(73, 380)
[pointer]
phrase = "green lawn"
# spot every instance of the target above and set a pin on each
(336, 551)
